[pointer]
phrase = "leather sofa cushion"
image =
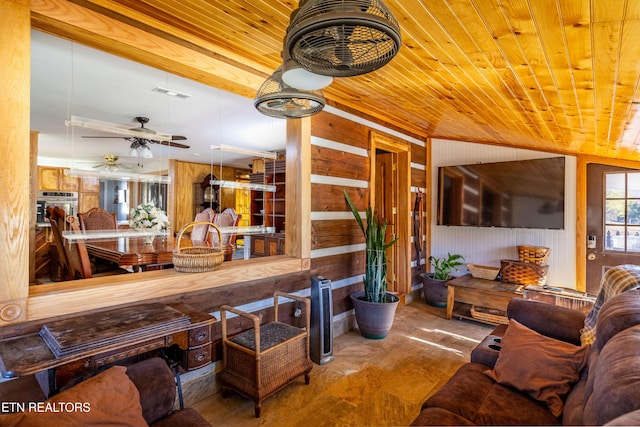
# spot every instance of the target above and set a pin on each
(474, 396)
(617, 314)
(108, 398)
(440, 417)
(612, 388)
(574, 405)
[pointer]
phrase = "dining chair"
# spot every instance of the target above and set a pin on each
(97, 219)
(56, 216)
(77, 255)
(227, 218)
(199, 232)
(80, 266)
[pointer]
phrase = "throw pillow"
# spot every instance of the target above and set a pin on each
(109, 399)
(542, 367)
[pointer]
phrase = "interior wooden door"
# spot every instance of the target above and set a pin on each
(386, 207)
(613, 220)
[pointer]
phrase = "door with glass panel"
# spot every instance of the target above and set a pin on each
(613, 220)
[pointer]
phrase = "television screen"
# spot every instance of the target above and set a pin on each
(516, 194)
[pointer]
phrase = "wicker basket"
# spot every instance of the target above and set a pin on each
(489, 315)
(197, 259)
(483, 271)
(533, 254)
(523, 273)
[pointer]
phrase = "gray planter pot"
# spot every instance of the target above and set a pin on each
(374, 319)
(434, 290)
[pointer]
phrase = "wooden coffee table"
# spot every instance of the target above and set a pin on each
(464, 291)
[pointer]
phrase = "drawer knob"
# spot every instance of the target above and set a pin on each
(201, 336)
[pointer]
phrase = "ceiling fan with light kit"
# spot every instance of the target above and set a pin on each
(111, 164)
(139, 137)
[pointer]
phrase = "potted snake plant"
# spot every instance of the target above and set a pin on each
(433, 284)
(374, 307)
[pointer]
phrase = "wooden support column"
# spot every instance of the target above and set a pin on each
(298, 190)
(15, 56)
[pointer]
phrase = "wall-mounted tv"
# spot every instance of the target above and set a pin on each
(516, 194)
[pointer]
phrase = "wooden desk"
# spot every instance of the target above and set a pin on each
(88, 342)
(480, 292)
(132, 251)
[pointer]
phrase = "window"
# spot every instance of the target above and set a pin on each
(622, 212)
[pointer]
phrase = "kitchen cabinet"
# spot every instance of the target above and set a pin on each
(54, 179)
(89, 196)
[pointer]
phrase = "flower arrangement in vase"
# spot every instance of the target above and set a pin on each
(147, 217)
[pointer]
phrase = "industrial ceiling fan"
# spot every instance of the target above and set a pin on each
(140, 136)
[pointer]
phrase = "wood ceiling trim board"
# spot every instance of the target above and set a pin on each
(550, 34)
(434, 27)
(490, 62)
(571, 20)
(526, 83)
(95, 30)
(496, 64)
(447, 80)
(170, 33)
(218, 25)
(518, 74)
(608, 11)
(607, 36)
(627, 82)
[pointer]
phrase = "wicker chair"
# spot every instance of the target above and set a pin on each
(260, 361)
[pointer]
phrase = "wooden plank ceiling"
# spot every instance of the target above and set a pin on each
(554, 75)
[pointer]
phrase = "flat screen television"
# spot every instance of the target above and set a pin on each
(515, 194)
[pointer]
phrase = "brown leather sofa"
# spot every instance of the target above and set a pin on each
(513, 372)
(140, 394)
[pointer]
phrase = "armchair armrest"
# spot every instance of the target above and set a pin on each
(550, 320)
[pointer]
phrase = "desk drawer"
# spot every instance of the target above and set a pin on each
(196, 357)
(199, 336)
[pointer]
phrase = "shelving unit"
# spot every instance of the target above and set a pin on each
(268, 208)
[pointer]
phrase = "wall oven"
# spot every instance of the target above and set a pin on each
(67, 200)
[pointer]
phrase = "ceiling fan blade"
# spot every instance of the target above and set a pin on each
(116, 129)
(124, 137)
(178, 138)
(171, 144)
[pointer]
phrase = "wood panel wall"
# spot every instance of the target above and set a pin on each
(340, 160)
(184, 175)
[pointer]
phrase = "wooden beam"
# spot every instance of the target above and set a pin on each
(15, 208)
(298, 190)
(68, 20)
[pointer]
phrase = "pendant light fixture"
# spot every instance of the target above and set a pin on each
(277, 99)
(342, 38)
(297, 77)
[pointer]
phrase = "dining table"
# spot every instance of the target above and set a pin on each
(135, 252)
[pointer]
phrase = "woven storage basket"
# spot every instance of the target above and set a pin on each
(523, 273)
(533, 254)
(490, 315)
(483, 271)
(197, 259)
